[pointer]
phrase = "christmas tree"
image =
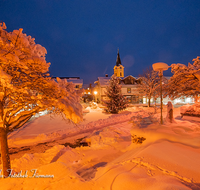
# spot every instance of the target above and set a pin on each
(116, 102)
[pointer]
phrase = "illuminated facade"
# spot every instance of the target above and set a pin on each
(118, 68)
(130, 85)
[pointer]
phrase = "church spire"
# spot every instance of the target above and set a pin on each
(118, 68)
(118, 61)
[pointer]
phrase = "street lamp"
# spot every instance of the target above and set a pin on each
(95, 93)
(160, 67)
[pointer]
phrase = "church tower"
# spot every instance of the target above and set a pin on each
(118, 68)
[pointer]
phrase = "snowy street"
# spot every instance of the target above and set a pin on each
(57, 131)
(168, 158)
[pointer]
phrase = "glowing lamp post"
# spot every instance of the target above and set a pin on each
(160, 67)
(95, 93)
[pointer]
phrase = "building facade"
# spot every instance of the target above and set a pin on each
(131, 88)
(130, 85)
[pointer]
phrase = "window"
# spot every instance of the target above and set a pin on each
(128, 98)
(135, 99)
(128, 90)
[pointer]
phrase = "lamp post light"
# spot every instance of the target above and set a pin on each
(160, 67)
(95, 93)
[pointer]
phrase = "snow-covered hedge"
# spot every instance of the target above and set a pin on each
(143, 118)
(190, 110)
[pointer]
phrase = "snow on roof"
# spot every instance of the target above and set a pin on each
(75, 81)
(104, 81)
(167, 77)
(129, 76)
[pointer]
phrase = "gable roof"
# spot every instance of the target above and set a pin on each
(104, 81)
(129, 76)
(75, 80)
(130, 80)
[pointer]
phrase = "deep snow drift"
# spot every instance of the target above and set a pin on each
(168, 158)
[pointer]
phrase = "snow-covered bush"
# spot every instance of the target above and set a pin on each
(137, 140)
(191, 110)
(143, 118)
(93, 105)
(102, 137)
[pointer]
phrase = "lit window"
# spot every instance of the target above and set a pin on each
(128, 98)
(128, 90)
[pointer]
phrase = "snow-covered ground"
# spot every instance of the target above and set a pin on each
(168, 158)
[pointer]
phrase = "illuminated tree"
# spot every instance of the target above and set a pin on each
(150, 84)
(26, 88)
(184, 81)
(116, 102)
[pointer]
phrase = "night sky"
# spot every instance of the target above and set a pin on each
(82, 36)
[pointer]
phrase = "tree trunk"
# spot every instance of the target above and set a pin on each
(5, 158)
(149, 102)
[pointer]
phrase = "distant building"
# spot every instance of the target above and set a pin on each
(130, 85)
(100, 87)
(88, 94)
(75, 80)
(87, 88)
(131, 89)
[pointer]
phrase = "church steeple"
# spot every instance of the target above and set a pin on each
(118, 61)
(118, 68)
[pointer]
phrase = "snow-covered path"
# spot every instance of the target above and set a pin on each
(45, 132)
(167, 159)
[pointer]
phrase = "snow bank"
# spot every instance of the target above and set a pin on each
(167, 159)
(20, 138)
(192, 110)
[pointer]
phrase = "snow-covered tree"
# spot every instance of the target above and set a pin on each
(116, 102)
(184, 81)
(26, 87)
(150, 84)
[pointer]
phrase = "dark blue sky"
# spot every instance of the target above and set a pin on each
(82, 36)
